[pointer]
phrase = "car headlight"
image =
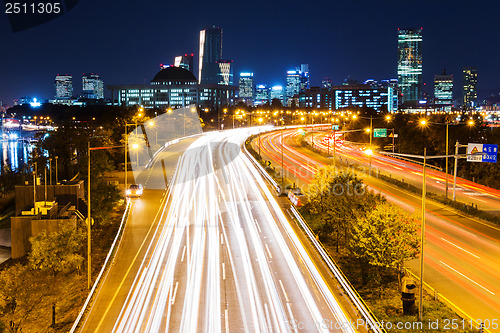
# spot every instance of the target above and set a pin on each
(127, 192)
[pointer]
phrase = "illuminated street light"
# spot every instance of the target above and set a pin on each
(369, 152)
(470, 122)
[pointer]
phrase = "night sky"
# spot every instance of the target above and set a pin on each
(126, 41)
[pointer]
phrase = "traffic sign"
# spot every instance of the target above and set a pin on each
(478, 152)
(491, 153)
(335, 127)
(380, 132)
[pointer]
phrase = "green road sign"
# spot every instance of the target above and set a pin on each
(380, 132)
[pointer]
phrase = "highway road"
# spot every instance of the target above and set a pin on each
(213, 253)
(486, 198)
(462, 255)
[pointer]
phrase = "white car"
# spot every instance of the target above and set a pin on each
(134, 191)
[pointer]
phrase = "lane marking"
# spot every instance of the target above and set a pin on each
(292, 318)
(110, 303)
(223, 271)
(458, 247)
(258, 226)
(172, 300)
(221, 240)
(183, 253)
(268, 252)
(226, 319)
(468, 278)
(284, 292)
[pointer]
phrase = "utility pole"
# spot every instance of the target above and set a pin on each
(446, 166)
(422, 238)
(455, 171)
(89, 221)
(371, 134)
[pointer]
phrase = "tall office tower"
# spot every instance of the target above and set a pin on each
(261, 94)
(326, 83)
(92, 86)
(64, 86)
(246, 86)
(443, 90)
(469, 87)
(210, 54)
(225, 72)
(297, 80)
(304, 77)
(410, 64)
(292, 84)
(185, 61)
(277, 93)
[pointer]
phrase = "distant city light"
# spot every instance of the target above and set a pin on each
(35, 103)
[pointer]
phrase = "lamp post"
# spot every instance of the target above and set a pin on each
(50, 171)
(282, 168)
(89, 275)
(57, 181)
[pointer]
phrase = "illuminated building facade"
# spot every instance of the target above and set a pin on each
(175, 87)
(210, 55)
(225, 72)
(469, 87)
(64, 86)
(379, 97)
(410, 64)
(326, 83)
(261, 94)
(277, 93)
(185, 61)
(297, 80)
(92, 86)
(247, 87)
(443, 91)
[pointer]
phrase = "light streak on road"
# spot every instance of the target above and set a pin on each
(461, 252)
(224, 256)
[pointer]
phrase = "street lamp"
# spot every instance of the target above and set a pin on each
(152, 124)
(57, 181)
(136, 147)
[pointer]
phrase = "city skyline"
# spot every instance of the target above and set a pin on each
(265, 47)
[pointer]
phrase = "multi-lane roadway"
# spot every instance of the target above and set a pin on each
(462, 255)
(207, 248)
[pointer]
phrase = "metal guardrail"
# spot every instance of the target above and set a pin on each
(410, 160)
(103, 269)
(440, 297)
(262, 171)
(371, 321)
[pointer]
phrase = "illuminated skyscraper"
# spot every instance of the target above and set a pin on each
(261, 94)
(292, 83)
(469, 87)
(247, 86)
(277, 93)
(443, 91)
(92, 86)
(64, 86)
(410, 64)
(185, 61)
(296, 81)
(210, 54)
(225, 72)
